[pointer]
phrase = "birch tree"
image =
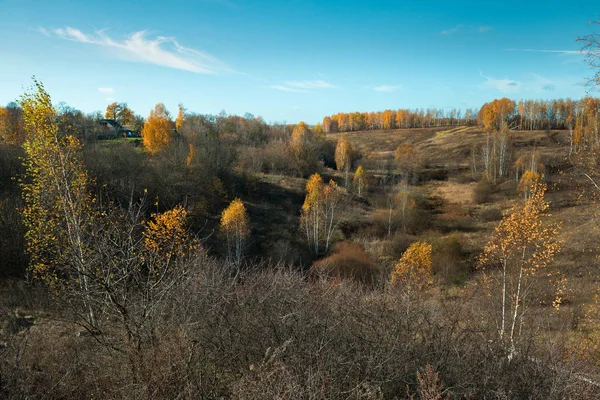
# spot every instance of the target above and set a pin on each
(415, 268)
(235, 224)
(522, 244)
(360, 180)
(59, 209)
(320, 213)
(158, 129)
(343, 157)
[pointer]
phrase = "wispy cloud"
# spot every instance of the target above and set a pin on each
(452, 30)
(549, 87)
(110, 99)
(318, 84)
(106, 90)
(161, 50)
(469, 28)
(503, 85)
(303, 86)
(547, 51)
(387, 88)
(286, 89)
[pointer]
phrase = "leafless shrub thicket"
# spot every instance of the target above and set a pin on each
(272, 333)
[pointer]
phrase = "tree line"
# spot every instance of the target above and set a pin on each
(398, 119)
(519, 115)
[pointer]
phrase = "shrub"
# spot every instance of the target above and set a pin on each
(348, 260)
(489, 214)
(483, 191)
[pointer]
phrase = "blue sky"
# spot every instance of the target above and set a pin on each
(293, 60)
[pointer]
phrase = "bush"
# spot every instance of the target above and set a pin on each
(483, 191)
(347, 260)
(264, 334)
(448, 262)
(489, 214)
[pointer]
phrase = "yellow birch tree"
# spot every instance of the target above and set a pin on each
(320, 212)
(361, 180)
(415, 267)
(59, 209)
(158, 129)
(235, 224)
(521, 245)
(343, 157)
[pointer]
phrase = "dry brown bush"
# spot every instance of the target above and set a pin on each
(269, 333)
(483, 191)
(348, 260)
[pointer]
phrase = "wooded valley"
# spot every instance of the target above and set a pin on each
(414, 254)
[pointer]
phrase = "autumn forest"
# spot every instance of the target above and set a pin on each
(437, 253)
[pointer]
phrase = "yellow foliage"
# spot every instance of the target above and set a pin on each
(166, 236)
(314, 187)
(190, 156)
(120, 113)
(520, 245)
(528, 183)
(361, 180)
(235, 225)
(158, 129)
(343, 154)
(234, 219)
(180, 117)
(415, 267)
(58, 204)
(495, 114)
(12, 130)
(522, 237)
(319, 211)
(300, 135)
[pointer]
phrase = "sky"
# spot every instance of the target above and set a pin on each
(294, 60)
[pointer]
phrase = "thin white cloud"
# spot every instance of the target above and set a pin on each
(110, 99)
(303, 86)
(452, 30)
(286, 89)
(547, 51)
(162, 50)
(502, 85)
(470, 28)
(387, 88)
(318, 84)
(106, 90)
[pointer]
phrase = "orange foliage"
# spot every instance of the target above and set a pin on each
(528, 183)
(180, 117)
(520, 245)
(234, 219)
(343, 156)
(235, 224)
(495, 114)
(120, 113)
(320, 212)
(361, 180)
(166, 236)
(158, 129)
(415, 267)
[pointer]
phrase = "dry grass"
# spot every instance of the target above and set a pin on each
(454, 192)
